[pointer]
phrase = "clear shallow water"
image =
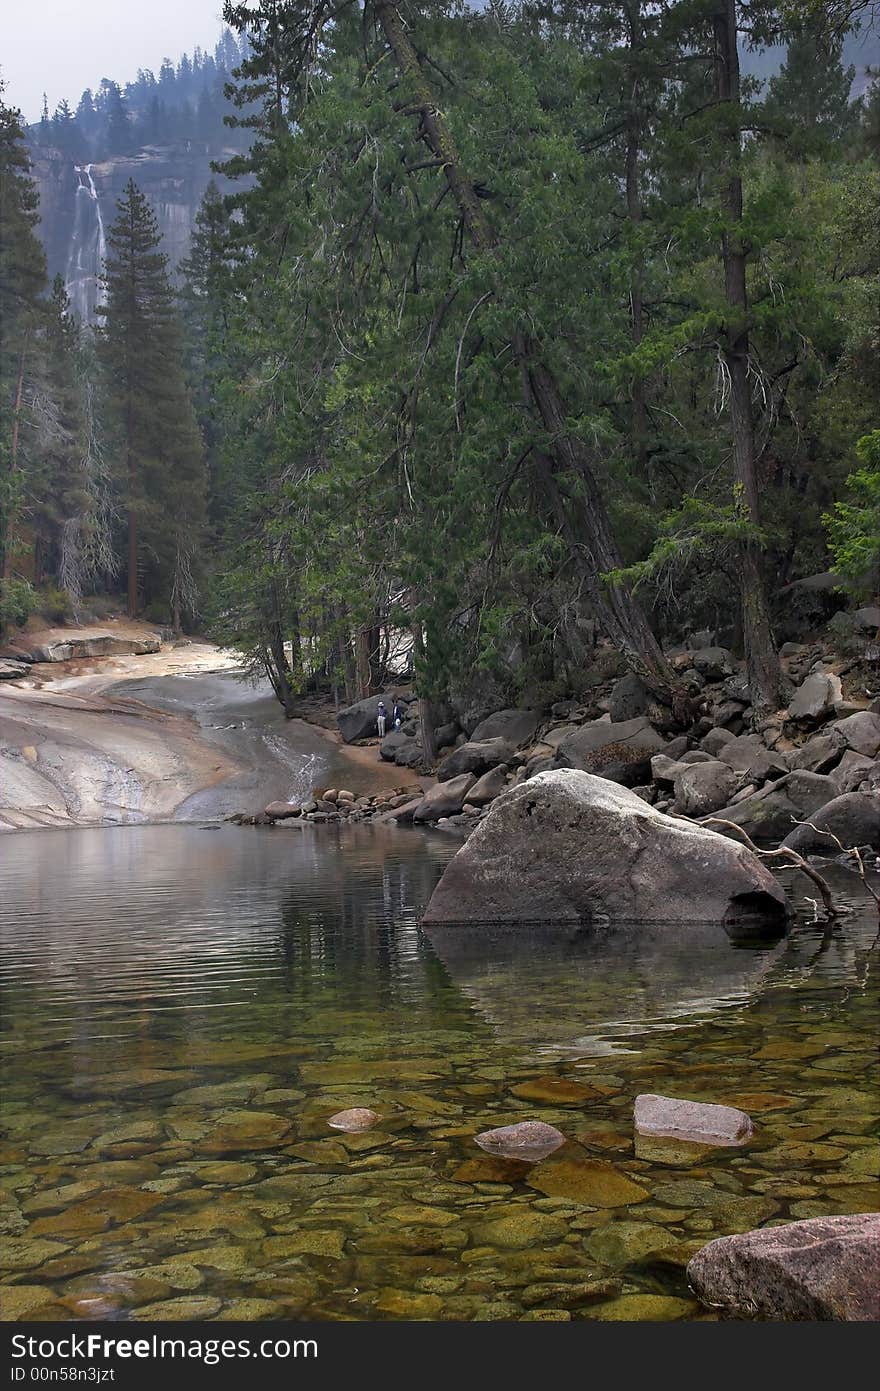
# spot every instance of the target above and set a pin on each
(183, 1008)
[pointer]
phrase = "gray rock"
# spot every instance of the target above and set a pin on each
(817, 755)
(394, 743)
(854, 818)
(358, 721)
(696, 756)
(769, 815)
(620, 752)
(867, 619)
(714, 663)
(487, 788)
(729, 715)
(859, 732)
(815, 697)
(445, 736)
(516, 727)
(567, 846)
(474, 758)
(821, 1269)
(701, 640)
(444, 799)
(281, 811)
(701, 1121)
(666, 770)
(95, 645)
(630, 698)
(855, 769)
(529, 1140)
(11, 670)
(713, 742)
(404, 813)
(701, 788)
(354, 1120)
(748, 754)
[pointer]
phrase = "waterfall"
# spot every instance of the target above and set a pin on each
(88, 249)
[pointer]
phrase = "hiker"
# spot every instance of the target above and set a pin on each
(398, 714)
(381, 716)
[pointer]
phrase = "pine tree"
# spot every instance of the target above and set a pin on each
(22, 279)
(60, 423)
(160, 454)
(808, 101)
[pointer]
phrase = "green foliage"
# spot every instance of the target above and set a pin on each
(17, 602)
(854, 523)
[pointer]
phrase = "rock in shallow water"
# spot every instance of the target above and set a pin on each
(691, 1120)
(356, 1119)
(530, 1140)
(823, 1268)
(570, 847)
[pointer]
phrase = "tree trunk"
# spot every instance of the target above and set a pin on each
(634, 214)
(132, 514)
(362, 660)
(9, 537)
(586, 525)
(762, 661)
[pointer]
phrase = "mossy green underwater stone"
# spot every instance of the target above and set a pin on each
(644, 1308)
(591, 1182)
(621, 1244)
(520, 1227)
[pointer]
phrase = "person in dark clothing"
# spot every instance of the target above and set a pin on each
(398, 714)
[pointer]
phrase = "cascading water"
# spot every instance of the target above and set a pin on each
(88, 249)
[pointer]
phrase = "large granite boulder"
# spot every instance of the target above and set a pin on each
(621, 752)
(95, 645)
(358, 721)
(748, 754)
(770, 814)
(856, 773)
(444, 799)
(567, 846)
(11, 670)
(859, 732)
(714, 663)
(474, 758)
(822, 1269)
(701, 788)
(630, 698)
(488, 787)
(853, 818)
(517, 727)
(816, 696)
(818, 755)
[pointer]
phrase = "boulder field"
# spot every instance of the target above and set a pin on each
(567, 846)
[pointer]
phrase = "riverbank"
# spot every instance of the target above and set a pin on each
(142, 736)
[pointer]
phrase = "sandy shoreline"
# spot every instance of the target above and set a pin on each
(164, 736)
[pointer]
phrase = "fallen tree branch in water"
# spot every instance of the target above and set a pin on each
(846, 850)
(791, 856)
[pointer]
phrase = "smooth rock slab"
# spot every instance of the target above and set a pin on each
(700, 1121)
(529, 1140)
(824, 1268)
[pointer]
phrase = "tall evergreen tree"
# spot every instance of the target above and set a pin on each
(22, 279)
(159, 450)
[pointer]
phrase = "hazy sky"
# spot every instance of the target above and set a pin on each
(62, 46)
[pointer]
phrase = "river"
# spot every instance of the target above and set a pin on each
(184, 1006)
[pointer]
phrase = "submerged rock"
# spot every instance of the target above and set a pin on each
(823, 1268)
(357, 1118)
(569, 847)
(691, 1120)
(529, 1140)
